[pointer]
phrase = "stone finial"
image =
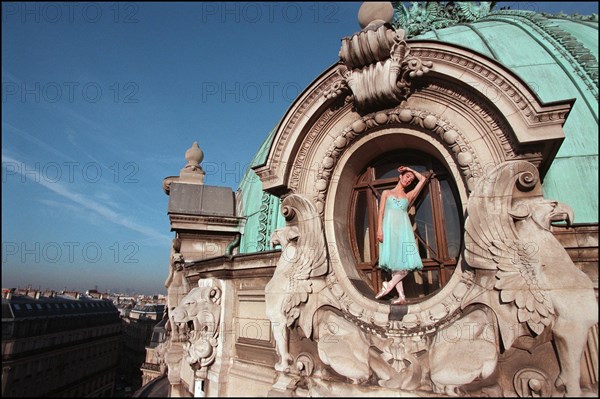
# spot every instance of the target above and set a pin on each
(192, 172)
(194, 155)
(375, 13)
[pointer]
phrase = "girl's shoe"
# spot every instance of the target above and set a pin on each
(384, 290)
(399, 301)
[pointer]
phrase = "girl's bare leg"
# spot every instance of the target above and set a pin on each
(399, 287)
(389, 285)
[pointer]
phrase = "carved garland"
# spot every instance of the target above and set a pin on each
(424, 320)
(449, 134)
(499, 128)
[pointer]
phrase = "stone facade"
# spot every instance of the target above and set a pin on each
(518, 315)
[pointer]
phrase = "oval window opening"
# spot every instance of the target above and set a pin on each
(435, 215)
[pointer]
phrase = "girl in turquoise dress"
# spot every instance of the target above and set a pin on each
(398, 250)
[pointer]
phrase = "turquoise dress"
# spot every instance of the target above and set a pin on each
(399, 250)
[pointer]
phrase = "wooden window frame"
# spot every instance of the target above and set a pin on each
(366, 181)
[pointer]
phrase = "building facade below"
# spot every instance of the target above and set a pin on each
(59, 346)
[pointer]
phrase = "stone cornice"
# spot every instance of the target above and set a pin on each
(275, 170)
(532, 111)
(204, 222)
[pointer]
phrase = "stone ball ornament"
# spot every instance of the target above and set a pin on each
(376, 12)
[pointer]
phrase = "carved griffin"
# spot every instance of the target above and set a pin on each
(303, 256)
(199, 314)
(522, 272)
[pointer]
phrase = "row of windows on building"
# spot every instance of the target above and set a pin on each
(34, 376)
(59, 306)
(41, 337)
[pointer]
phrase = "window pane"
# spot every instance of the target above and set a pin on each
(425, 227)
(361, 223)
(451, 219)
(421, 283)
(382, 175)
(386, 170)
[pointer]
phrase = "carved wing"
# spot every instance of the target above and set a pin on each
(309, 257)
(492, 243)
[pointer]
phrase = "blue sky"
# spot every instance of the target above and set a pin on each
(101, 100)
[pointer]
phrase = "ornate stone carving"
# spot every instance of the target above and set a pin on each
(522, 272)
(439, 347)
(176, 283)
(466, 159)
(300, 167)
(377, 67)
(194, 326)
(350, 351)
(296, 115)
(470, 346)
(500, 129)
(303, 258)
(521, 109)
(198, 315)
(338, 87)
(532, 115)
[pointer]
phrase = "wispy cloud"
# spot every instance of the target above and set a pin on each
(10, 129)
(95, 207)
(107, 170)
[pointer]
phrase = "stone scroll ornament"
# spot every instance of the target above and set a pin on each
(377, 67)
(522, 272)
(303, 258)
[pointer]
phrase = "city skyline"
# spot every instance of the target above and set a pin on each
(101, 101)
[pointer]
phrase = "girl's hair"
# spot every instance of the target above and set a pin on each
(413, 183)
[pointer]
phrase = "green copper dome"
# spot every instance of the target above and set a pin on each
(260, 209)
(557, 55)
